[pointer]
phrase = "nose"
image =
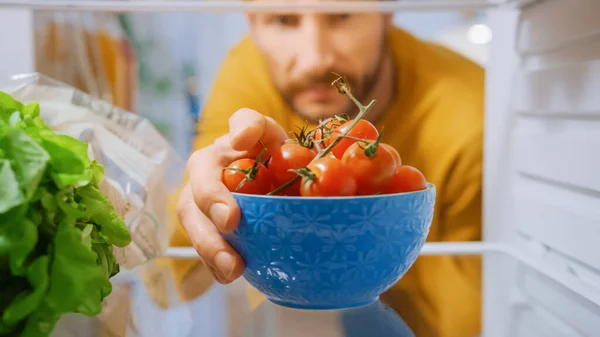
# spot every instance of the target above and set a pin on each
(315, 51)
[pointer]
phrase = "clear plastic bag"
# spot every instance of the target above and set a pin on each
(141, 168)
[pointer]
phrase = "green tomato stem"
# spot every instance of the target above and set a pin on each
(358, 139)
(371, 148)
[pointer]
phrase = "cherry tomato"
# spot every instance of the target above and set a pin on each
(327, 177)
(288, 156)
(257, 177)
(258, 149)
(393, 151)
(362, 130)
(406, 179)
(372, 172)
(328, 129)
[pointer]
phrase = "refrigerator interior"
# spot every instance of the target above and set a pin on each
(542, 143)
(541, 193)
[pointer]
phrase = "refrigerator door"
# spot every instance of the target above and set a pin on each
(542, 188)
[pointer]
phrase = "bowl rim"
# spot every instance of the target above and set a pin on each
(430, 187)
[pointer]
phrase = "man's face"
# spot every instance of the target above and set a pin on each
(303, 49)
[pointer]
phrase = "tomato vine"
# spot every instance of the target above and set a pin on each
(343, 88)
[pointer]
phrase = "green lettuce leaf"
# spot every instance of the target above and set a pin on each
(57, 229)
(70, 164)
(100, 210)
(28, 301)
(29, 160)
(18, 237)
(8, 106)
(40, 323)
(31, 111)
(10, 192)
(77, 283)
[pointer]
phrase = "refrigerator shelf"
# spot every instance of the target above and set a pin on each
(430, 248)
(533, 258)
(241, 6)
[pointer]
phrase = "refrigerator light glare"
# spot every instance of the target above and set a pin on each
(479, 34)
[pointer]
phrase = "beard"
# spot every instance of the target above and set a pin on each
(361, 87)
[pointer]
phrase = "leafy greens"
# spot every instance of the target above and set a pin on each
(57, 229)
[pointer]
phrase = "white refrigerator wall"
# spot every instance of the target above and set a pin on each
(16, 39)
(498, 220)
(542, 188)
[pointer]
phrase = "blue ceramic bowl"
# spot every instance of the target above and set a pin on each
(330, 253)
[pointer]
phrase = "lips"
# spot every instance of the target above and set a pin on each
(319, 92)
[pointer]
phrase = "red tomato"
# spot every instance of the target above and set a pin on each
(329, 127)
(393, 151)
(256, 150)
(327, 177)
(362, 130)
(406, 179)
(289, 156)
(372, 173)
(257, 177)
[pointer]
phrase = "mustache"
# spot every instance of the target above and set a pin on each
(300, 84)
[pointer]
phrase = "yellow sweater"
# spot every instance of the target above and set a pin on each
(436, 124)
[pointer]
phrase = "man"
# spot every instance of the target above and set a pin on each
(430, 101)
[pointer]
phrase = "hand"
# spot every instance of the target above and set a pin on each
(206, 206)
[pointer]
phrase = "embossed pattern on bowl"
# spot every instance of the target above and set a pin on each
(330, 253)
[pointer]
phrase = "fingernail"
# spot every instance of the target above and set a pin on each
(218, 214)
(225, 264)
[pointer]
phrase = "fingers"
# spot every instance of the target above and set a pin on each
(207, 206)
(247, 127)
(223, 261)
(206, 166)
(209, 193)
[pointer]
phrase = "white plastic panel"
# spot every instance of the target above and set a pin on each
(559, 150)
(556, 133)
(558, 24)
(582, 316)
(533, 321)
(570, 90)
(552, 169)
(498, 216)
(571, 228)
